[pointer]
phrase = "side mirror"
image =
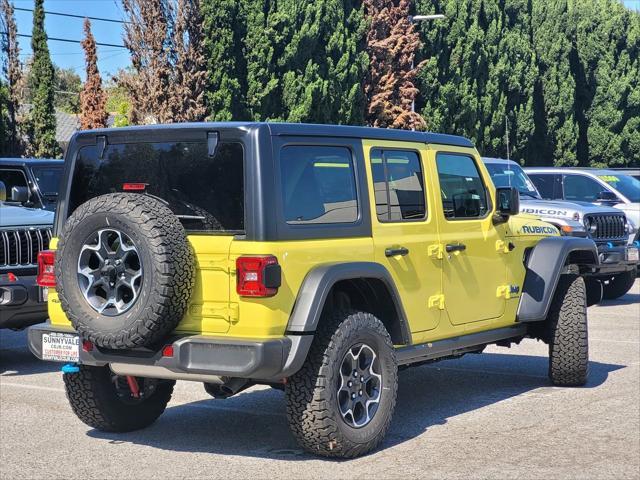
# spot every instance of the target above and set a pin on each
(508, 199)
(607, 197)
(3, 192)
(20, 194)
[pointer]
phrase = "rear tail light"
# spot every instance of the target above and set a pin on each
(134, 187)
(46, 270)
(258, 276)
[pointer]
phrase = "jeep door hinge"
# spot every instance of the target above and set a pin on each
(436, 251)
(507, 291)
(504, 247)
(437, 301)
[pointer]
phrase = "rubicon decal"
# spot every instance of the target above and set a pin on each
(537, 230)
(545, 211)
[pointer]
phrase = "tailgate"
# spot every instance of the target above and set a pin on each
(209, 310)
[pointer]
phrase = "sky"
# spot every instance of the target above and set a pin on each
(70, 55)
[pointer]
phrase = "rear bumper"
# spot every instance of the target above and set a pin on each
(196, 357)
(21, 302)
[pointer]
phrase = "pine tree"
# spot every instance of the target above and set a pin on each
(93, 99)
(42, 117)
(12, 71)
(392, 43)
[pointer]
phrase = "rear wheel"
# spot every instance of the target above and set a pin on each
(618, 285)
(341, 401)
(567, 336)
(105, 401)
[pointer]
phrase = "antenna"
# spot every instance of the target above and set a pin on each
(506, 134)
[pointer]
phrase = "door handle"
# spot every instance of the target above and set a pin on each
(395, 251)
(455, 247)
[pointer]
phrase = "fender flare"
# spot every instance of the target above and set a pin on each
(317, 284)
(544, 267)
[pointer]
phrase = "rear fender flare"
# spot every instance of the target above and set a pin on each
(318, 283)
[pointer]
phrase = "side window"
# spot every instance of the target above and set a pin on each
(549, 186)
(398, 184)
(12, 178)
(581, 188)
(463, 192)
(318, 185)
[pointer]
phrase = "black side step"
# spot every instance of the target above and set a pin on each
(455, 345)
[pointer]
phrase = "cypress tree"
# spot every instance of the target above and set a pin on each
(42, 117)
(305, 61)
(12, 71)
(224, 30)
(93, 99)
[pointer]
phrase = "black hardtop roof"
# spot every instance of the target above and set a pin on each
(302, 129)
(21, 162)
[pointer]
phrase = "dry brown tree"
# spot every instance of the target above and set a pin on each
(392, 43)
(93, 99)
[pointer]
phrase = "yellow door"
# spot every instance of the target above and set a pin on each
(404, 227)
(474, 269)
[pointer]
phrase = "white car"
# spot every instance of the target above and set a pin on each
(599, 186)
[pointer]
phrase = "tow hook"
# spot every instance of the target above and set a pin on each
(133, 386)
(70, 368)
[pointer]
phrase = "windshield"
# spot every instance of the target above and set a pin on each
(48, 179)
(511, 175)
(625, 184)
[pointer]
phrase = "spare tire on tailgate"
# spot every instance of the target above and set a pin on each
(125, 270)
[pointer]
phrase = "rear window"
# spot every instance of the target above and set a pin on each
(206, 193)
(318, 185)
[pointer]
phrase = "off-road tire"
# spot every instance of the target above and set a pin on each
(168, 276)
(311, 393)
(567, 333)
(619, 285)
(93, 398)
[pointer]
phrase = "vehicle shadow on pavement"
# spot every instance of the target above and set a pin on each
(17, 360)
(628, 299)
(254, 423)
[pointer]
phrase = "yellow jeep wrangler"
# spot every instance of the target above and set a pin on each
(316, 259)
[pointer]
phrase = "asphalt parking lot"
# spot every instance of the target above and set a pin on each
(484, 416)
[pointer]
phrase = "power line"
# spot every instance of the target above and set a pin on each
(99, 19)
(67, 40)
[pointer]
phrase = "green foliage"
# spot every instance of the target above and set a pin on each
(41, 82)
(68, 87)
(4, 119)
(564, 73)
(285, 60)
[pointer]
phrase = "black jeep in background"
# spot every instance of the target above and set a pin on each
(30, 182)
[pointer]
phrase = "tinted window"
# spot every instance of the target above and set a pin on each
(206, 193)
(318, 185)
(549, 186)
(463, 193)
(511, 175)
(12, 178)
(48, 179)
(398, 185)
(625, 184)
(581, 188)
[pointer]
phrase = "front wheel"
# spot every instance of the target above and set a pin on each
(341, 401)
(618, 285)
(105, 401)
(567, 337)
